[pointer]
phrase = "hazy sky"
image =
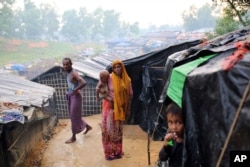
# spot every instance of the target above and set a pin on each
(146, 12)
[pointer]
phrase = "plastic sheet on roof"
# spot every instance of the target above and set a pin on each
(146, 73)
(212, 95)
(210, 101)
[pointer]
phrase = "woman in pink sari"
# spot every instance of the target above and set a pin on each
(115, 110)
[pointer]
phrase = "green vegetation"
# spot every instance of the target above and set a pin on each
(39, 22)
(20, 51)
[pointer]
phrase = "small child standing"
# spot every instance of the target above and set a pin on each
(173, 141)
(102, 85)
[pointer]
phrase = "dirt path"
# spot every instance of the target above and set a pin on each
(87, 150)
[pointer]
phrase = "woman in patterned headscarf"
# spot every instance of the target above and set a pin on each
(115, 110)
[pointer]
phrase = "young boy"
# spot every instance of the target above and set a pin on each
(173, 141)
(102, 85)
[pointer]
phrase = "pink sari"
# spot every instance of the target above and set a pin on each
(111, 133)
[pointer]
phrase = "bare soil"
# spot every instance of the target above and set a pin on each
(87, 151)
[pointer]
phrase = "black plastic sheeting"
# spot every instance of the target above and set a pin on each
(211, 97)
(146, 73)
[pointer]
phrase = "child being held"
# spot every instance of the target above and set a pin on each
(171, 150)
(102, 85)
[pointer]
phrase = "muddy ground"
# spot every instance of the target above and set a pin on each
(87, 150)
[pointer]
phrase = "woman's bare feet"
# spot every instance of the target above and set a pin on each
(88, 128)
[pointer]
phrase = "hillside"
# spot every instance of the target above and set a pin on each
(35, 56)
(15, 51)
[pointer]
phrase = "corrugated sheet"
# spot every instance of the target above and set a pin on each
(15, 89)
(91, 67)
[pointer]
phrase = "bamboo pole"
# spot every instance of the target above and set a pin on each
(243, 99)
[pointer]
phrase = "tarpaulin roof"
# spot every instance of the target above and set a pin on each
(209, 84)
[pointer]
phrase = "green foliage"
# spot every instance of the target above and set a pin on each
(236, 9)
(6, 14)
(86, 24)
(225, 25)
(71, 25)
(227, 22)
(31, 20)
(49, 21)
(247, 18)
(196, 18)
(111, 23)
(42, 22)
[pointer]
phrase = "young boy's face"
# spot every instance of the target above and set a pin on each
(175, 124)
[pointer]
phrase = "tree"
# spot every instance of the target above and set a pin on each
(226, 23)
(196, 18)
(18, 29)
(239, 9)
(6, 15)
(49, 21)
(124, 29)
(71, 28)
(190, 19)
(111, 23)
(31, 20)
(134, 28)
(97, 17)
(86, 24)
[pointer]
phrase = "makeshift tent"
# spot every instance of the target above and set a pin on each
(210, 84)
(147, 75)
(27, 115)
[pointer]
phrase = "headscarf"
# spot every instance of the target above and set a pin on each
(121, 87)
